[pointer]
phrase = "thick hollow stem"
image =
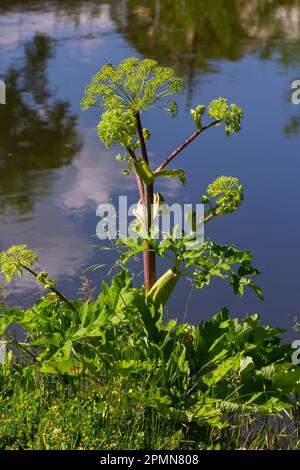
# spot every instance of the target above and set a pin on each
(149, 267)
(149, 258)
(139, 181)
(140, 188)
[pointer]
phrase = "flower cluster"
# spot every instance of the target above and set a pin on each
(229, 194)
(125, 90)
(117, 127)
(232, 114)
(16, 257)
(135, 84)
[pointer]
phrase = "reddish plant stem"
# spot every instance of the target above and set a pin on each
(149, 258)
(140, 188)
(139, 180)
(184, 145)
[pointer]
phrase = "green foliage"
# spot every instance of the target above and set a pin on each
(15, 259)
(221, 261)
(148, 177)
(201, 264)
(65, 417)
(200, 375)
(180, 174)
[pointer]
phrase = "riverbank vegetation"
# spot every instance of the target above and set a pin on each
(113, 372)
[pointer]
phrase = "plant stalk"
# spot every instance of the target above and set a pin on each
(149, 258)
(55, 291)
(184, 145)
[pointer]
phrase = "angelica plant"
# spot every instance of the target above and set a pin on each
(124, 92)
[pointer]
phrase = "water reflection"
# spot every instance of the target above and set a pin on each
(292, 128)
(190, 34)
(37, 133)
(194, 35)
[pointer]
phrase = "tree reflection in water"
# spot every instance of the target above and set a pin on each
(37, 133)
(194, 35)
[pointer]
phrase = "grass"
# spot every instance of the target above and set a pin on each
(61, 416)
